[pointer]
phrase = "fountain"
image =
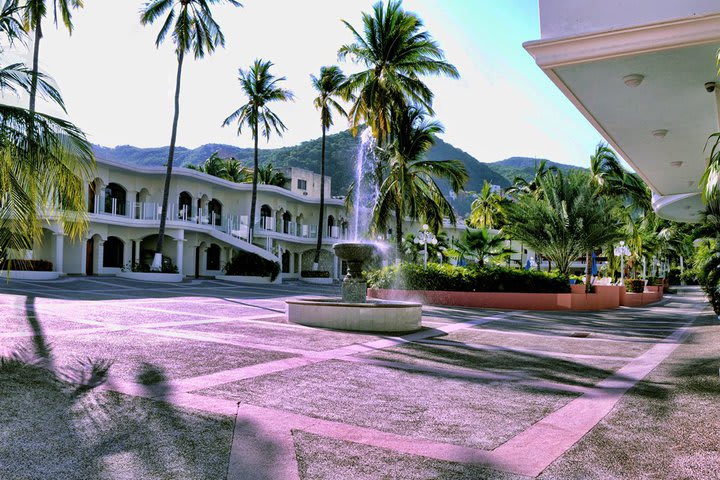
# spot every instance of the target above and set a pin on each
(353, 311)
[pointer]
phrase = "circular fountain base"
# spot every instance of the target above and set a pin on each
(373, 316)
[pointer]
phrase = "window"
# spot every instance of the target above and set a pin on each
(302, 184)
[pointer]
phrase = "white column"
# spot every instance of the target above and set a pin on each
(300, 263)
(292, 263)
(83, 254)
(136, 260)
(127, 252)
(100, 252)
(336, 270)
(179, 254)
(59, 242)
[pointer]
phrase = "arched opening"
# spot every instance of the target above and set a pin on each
(286, 219)
(115, 199)
(302, 229)
(213, 257)
(286, 262)
(330, 225)
(265, 217)
(113, 253)
(215, 212)
(94, 188)
(185, 206)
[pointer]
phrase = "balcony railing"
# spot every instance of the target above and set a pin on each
(235, 225)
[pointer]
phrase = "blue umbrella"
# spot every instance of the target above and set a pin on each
(527, 265)
(593, 265)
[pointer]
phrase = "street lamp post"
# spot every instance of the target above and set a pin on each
(622, 251)
(424, 237)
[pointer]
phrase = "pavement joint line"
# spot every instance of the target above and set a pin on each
(545, 353)
(533, 450)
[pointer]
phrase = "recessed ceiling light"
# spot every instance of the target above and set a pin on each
(676, 163)
(660, 133)
(633, 80)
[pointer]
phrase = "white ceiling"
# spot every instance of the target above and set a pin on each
(672, 97)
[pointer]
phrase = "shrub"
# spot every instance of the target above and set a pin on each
(635, 285)
(315, 274)
(252, 265)
(689, 276)
(475, 279)
(27, 265)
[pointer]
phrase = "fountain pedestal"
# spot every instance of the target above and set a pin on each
(354, 287)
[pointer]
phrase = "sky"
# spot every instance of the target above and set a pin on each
(118, 86)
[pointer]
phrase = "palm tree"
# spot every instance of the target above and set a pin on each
(521, 186)
(327, 87)
(614, 181)
(481, 244)
(43, 160)
(267, 175)
(569, 219)
(410, 188)
(33, 13)
(710, 181)
(261, 88)
(193, 30)
(396, 52)
(214, 165)
(485, 209)
(237, 172)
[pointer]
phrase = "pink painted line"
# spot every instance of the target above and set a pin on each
(242, 373)
(533, 450)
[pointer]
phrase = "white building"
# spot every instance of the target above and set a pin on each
(643, 72)
(207, 221)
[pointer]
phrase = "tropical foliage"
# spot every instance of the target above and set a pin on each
(481, 246)
(194, 31)
(327, 86)
(261, 88)
(446, 277)
(225, 168)
(44, 160)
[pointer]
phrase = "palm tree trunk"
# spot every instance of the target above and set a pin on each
(253, 201)
(588, 271)
(321, 220)
(157, 260)
(398, 232)
(35, 69)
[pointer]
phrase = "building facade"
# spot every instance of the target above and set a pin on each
(207, 221)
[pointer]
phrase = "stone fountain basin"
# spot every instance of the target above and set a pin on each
(373, 316)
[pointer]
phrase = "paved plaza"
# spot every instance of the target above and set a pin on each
(208, 380)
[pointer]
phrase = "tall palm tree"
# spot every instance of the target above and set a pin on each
(327, 86)
(43, 160)
(521, 186)
(485, 209)
(396, 52)
(614, 181)
(193, 30)
(33, 13)
(410, 188)
(261, 89)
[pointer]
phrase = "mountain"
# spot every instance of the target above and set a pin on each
(525, 167)
(340, 161)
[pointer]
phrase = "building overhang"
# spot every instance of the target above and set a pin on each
(661, 126)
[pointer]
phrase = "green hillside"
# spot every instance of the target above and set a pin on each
(340, 157)
(524, 167)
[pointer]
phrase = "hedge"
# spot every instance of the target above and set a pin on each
(252, 265)
(315, 274)
(635, 285)
(461, 279)
(27, 265)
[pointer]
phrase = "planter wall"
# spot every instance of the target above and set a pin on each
(29, 275)
(605, 297)
(152, 276)
(249, 280)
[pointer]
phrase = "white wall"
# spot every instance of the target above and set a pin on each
(563, 18)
